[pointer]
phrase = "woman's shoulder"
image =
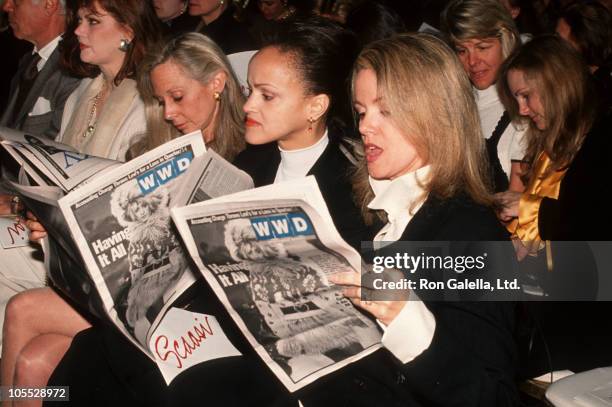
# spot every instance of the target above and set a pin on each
(72, 100)
(479, 220)
(256, 158)
(592, 158)
(602, 125)
(84, 84)
(341, 154)
(133, 123)
(336, 165)
(134, 117)
(462, 218)
(71, 104)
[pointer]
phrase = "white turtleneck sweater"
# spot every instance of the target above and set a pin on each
(296, 163)
(412, 330)
(511, 145)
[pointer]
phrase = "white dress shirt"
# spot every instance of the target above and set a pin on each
(46, 51)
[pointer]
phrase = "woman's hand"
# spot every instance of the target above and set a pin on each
(384, 311)
(37, 230)
(509, 200)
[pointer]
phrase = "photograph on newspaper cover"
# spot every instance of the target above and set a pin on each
(272, 268)
(126, 223)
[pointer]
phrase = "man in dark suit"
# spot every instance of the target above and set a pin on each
(39, 89)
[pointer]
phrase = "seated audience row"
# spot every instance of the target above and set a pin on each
(409, 139)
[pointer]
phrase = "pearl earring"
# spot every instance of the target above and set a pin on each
(124, 45)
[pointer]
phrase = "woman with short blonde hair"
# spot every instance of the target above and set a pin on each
(463, 20)
(483, 34)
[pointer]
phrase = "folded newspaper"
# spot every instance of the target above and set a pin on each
(268, 262)
(113, 249)
(50, 163)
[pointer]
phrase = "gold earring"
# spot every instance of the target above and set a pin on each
(310, 122)
(217, 96)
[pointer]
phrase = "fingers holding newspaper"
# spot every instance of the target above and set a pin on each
(37, 230)
(351, 282)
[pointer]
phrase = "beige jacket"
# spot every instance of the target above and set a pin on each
(118, 126)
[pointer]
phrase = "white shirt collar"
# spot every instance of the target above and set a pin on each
(297, 163)
(396, 198)
(46, 51)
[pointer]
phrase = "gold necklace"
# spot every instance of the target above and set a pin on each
(91, 123)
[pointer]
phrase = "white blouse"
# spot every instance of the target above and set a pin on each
(396, 198)
(412, 330)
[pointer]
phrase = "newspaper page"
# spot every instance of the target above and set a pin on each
(211, 176)
(35, 177)
(13, 233)
(120, 222)
(58, 162)
(268, 263)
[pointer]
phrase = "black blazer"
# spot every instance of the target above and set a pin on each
(580, 211)
(579, 214)
(471, 360)
(333, 173)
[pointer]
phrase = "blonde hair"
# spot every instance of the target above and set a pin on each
(464, 20)
(199, 57)
(562, 82)
(428, 93)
